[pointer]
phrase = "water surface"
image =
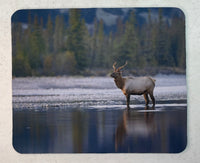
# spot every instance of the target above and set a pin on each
(89, 115)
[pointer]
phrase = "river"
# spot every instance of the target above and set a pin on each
(89, 115)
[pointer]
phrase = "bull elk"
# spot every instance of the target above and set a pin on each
(134, 85)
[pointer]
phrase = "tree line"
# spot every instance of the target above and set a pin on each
(59, 48)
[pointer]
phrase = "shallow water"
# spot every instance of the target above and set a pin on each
(88, 115)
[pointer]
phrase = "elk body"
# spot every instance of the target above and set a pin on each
(134, 85)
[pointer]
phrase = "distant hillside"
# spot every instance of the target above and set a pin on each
(108, 15)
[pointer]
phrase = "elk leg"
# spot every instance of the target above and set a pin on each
(152, 98)
(146, 99)
(128, 101)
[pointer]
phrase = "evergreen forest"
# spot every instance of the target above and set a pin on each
(55, 47)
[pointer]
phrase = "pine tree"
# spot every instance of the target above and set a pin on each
(94, 45)
(20, 63)
(87, 43)
(17, 39)
(162, 43)
(177, 44)
(129, 46)
(49, 35)
(36, 47)
(120, 28)
(109, 50)
(59, 34)
(100, 45)
(75, 42)
(147, 40)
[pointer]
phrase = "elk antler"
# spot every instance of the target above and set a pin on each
(122, 66)
(114, 66)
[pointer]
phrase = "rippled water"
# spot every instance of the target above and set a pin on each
(92, 91)
(88, 115)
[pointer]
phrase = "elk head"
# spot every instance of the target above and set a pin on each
(117, 72)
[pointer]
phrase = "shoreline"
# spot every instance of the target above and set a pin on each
(97, 72)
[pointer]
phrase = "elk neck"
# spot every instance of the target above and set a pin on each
(120, 82)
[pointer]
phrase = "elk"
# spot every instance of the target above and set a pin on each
(134, 85)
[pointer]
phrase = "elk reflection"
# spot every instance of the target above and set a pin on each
(135, 125)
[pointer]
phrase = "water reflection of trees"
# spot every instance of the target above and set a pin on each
(79, 130)
(135, 125)
(107, 131)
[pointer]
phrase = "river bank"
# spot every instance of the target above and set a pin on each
(152, 71)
